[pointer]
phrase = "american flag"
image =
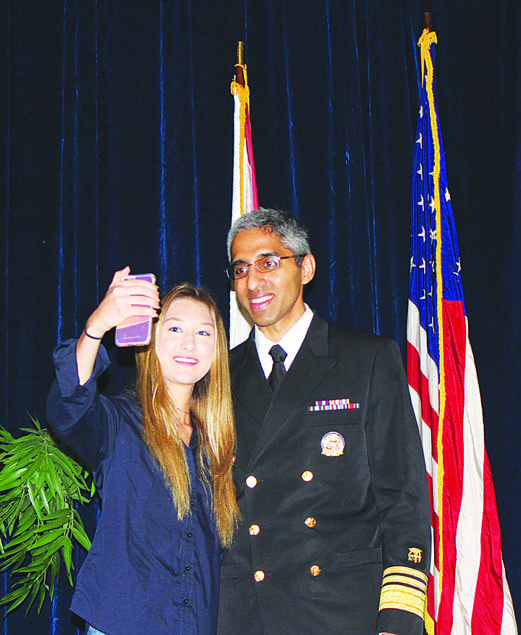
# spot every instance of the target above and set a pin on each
(244, 196)
(468, 591)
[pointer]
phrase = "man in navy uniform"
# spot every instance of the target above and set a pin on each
(329, 470)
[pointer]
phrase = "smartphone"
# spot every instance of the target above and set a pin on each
(135, 330)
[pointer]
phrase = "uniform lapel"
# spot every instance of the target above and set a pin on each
(310, 366)
(250, 387)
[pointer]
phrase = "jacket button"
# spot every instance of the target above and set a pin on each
(307, 476)
(259, 576)
(254, 530)
(315, 570)
(310, 522)
(251, 482)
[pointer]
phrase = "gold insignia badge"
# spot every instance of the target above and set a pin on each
(332, 444)
(415, 554)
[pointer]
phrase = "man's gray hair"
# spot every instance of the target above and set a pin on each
(292, 232)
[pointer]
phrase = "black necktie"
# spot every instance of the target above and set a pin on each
(278, 354)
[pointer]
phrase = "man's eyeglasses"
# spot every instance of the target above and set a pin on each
(265, 264)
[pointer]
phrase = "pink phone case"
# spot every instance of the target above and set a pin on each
(137, 330)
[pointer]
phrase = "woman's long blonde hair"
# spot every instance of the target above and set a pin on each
(210, 410)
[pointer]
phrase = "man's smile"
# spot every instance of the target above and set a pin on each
(260, 301)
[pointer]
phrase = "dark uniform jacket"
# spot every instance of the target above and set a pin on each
(331, 483)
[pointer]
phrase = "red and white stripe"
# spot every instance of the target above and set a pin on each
(468, 592)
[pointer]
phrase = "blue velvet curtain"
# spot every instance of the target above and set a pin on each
(117, 149)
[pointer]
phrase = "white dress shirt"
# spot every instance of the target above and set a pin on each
(291, 342)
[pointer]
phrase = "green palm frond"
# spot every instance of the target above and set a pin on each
(40, 485)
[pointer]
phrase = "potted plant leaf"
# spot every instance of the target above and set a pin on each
(40, 488)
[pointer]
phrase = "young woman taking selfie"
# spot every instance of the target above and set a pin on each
(161, 459)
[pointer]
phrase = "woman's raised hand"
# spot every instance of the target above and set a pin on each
(125, 297)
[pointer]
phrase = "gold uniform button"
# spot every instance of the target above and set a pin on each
(315, 570)
(259, 576)
(310, 522)
(254, 530)
(251, 482)
(307, 476)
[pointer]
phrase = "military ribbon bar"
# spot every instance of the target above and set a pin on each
(333, 404)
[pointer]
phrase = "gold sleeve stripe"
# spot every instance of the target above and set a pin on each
(396, 596)
(400, 579)
(406, 571)
(404, 588)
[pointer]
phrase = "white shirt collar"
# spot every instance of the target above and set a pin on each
(291, 342)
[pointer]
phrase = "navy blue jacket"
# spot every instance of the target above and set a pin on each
(332, 488)
(146, 572)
